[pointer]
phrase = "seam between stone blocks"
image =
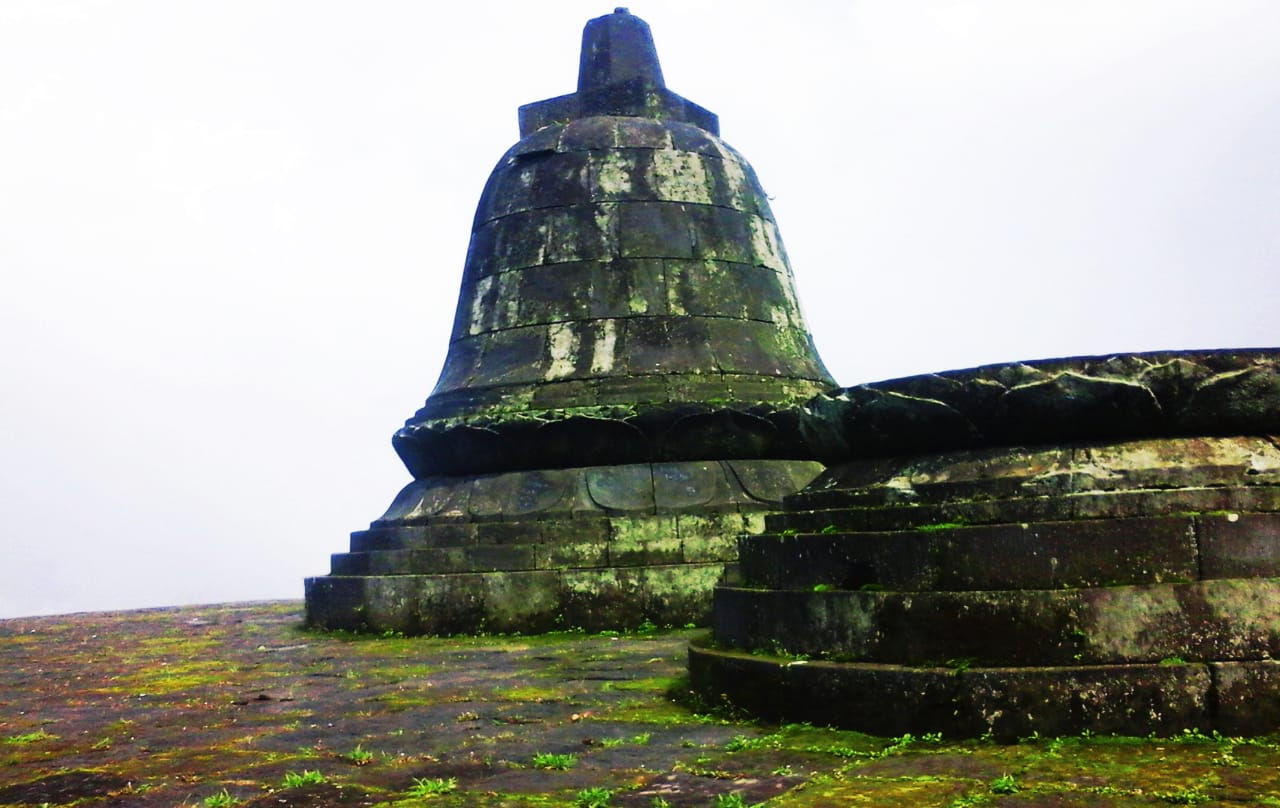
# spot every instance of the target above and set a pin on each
(596, 202)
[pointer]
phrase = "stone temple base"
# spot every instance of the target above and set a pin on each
(530, 551)
(1110, 586)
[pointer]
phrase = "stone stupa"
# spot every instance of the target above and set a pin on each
(621, 397)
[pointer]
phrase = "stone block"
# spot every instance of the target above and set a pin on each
(578, 555)
(1125, 700)
(677, 176)
(626, 489)
(642, 133)
(515, 356)
(689, 484)
(518, 240)
(678, 594)
(654, 230)
(509, 534)
(722, 234)
(1239, 545)
(582, 529)
(590, 134)
(581, 233)
(518, 602)
(643, 540)
(1247, 697)
(336, 603)
(349, 564)
(555, 180)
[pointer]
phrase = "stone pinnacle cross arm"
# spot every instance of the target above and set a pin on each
(619, 74)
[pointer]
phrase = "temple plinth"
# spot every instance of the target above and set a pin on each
(1051, 547)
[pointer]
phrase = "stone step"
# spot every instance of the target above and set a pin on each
(1038, 555)
(1233, 698)
(619, 552)
(1089, 505)
(507, 533)
(1228, 619)
(1051, 470)
(521, 601)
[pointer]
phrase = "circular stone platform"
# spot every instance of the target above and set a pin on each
(1094, 544)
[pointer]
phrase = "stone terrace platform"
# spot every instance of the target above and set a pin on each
(171, 707)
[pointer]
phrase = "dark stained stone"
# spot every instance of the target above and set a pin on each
(1129, 396)
(1240, 401)
(678, 486)
(426, 454)
(770, 482)
(557, 179)
(1246, 695)
(690, 138)
(512, 356)
(654, 230)
(1239, 545)
(580, 233)
(622, 488)
(589, 134)
(642, 133)
(720, 233)
(1077, 406)
(723, 433)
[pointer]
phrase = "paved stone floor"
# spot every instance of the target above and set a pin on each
(238, 705)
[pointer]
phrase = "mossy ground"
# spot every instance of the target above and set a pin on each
(177, 706)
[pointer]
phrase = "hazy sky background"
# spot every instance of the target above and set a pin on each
(231, 233)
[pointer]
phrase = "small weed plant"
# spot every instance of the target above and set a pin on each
(360, 756)
(635, 740)
(1005, 784)
(549, 760)
(729, 801)
(222, 799)
(30, 737)
(594, 797)
(306, 778)
(1183, 796)
(424, 787)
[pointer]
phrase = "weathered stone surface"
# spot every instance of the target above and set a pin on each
(1035, 547)
(1236, 545)
(529, 600)
(1209, 620)
(606, 250)
(438, 503)
(1227, 392)
(1041, 555)
(1005, 703)
(638, 531)
(1067, 473)
(1247, 695)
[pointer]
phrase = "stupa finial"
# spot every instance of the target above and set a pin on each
(618, 74)
(618, 49)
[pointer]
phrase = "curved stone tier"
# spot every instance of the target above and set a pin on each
(594, 548)
(600, 436)
(1082, 582)
(626, 299)
(1225, 392)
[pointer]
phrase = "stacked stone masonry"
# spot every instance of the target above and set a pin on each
(623, 390)
(1089, 583)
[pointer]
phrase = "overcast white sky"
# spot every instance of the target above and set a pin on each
(231, 233)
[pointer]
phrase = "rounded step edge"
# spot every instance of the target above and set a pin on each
(1236, 698)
